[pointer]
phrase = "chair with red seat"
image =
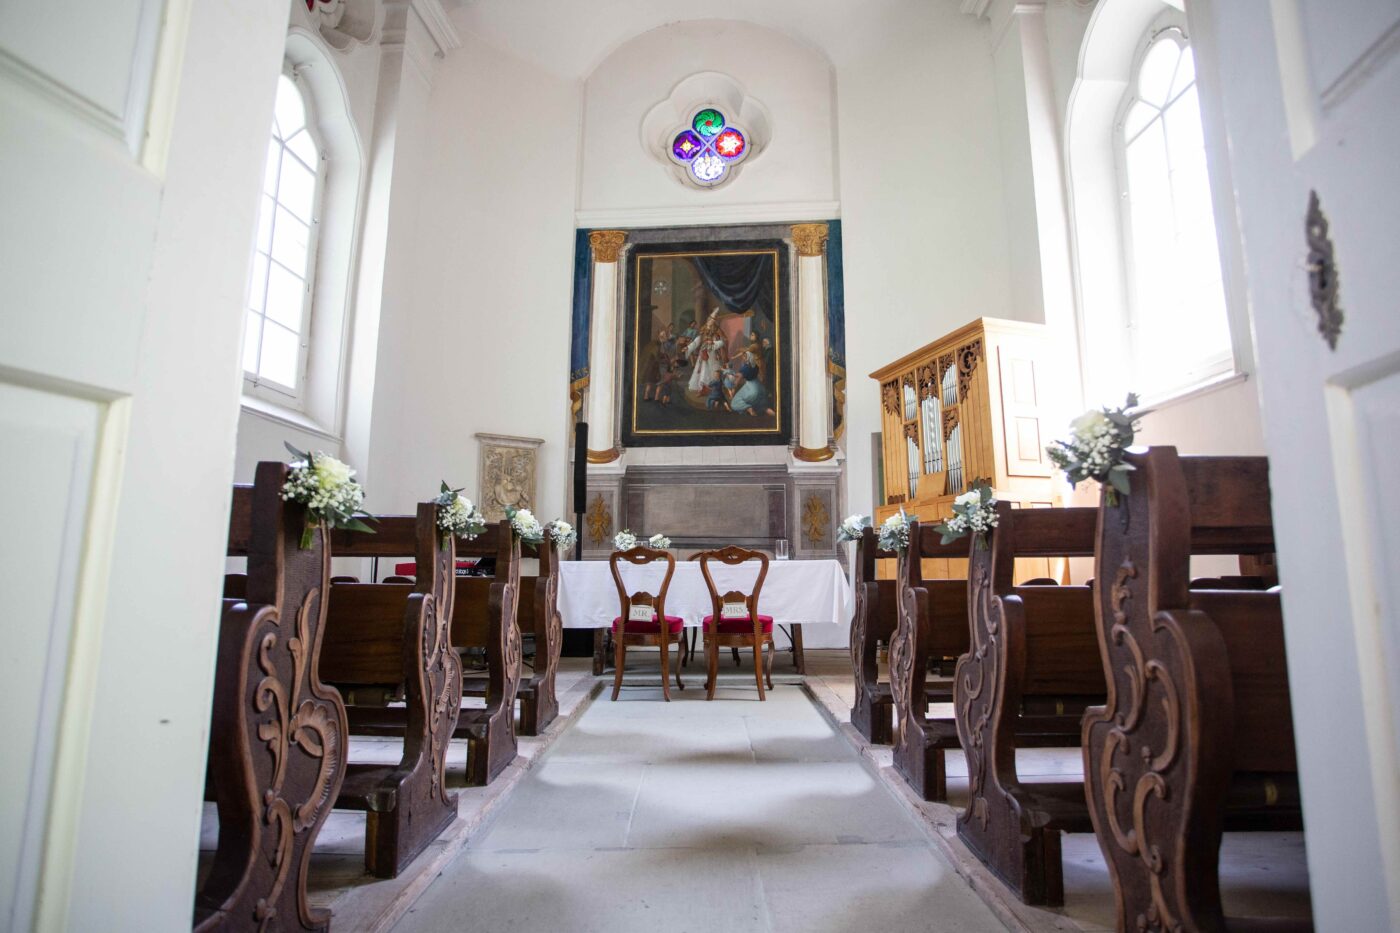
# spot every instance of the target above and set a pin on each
(734, 619)
(644, 621)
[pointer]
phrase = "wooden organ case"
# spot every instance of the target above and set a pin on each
(971, 405)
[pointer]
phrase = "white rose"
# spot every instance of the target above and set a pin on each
(893, 520)
(562, 528)
(853, 521)
(1089, 423)
(525, 517)
(331, 472)
(969, 498)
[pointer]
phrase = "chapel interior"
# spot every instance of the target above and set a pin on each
(754, 465)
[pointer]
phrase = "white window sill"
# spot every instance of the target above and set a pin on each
(287, 416)
(1205, 386)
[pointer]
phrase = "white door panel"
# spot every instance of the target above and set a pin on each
(1325, 75)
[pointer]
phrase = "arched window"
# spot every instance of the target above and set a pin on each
(1178, 320)
(277, 330)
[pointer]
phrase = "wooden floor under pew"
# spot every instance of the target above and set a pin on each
(1260, 873)
(337, 877)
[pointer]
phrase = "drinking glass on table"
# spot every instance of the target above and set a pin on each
(782, 549)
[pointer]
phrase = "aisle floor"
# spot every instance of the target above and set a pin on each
(700, 816)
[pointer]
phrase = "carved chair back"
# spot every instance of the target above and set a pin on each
(734, 604)
(646, 606)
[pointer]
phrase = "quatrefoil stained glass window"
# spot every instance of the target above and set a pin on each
(709, 147)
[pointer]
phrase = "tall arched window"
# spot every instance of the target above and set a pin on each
(1178, 320)
(276, 335)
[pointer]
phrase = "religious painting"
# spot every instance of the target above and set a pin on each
(507, 474)
(708, 348)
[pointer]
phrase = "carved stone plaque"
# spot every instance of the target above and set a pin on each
(507, 473)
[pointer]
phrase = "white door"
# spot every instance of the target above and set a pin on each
(127, 197)
(1311, 92)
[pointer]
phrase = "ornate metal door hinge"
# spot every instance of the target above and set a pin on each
(1322, 274)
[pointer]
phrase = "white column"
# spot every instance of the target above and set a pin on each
(813, 394)
(602, 345)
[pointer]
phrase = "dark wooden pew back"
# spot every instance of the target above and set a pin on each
(874, 622)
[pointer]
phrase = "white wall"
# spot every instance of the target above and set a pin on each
(622, 181)
(478, 339)
(926, 242)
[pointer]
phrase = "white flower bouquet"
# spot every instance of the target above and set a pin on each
(624, 540)
(852, 527)
(526, 527)
(327, 489)
(974, 513)
(660, 542)
(894, 533)
(1095, 448)
(457, 516)
(563, 534)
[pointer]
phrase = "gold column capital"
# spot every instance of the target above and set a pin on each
(607, 244)
(810, 238)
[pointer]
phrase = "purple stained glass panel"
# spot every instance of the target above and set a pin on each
(686, 145)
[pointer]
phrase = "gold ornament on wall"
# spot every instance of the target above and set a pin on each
(810, 239)
(815, 519)
(607, 244)
(599, 520)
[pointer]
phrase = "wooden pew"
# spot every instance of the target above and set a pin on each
(1196, 736)
(539, 609)
(932, 623)
(485, 614)
(1031, 669)
(386, 635)
(277, 740)
(876, 616)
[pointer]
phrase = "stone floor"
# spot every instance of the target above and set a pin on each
(701, 816)
(1261, 874)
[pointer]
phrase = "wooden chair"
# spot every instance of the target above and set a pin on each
(931, 623)
(277, 740)
(1196, 736)
(734, 620)
(875, 619)
(1030, 671)
(539, 704)
(386, 635)
(643, 621)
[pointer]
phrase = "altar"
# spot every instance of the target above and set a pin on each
(814, 594)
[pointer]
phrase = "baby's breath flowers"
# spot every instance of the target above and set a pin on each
(852, 527)
(1095, 448)
(327, 489)
(660, 542)
(974, 512)
(624, 540)
(457, 516)
(894, 533)
(563, 534)
(526, 527)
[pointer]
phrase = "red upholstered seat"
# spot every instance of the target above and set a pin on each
(673, 623)
(739, 626)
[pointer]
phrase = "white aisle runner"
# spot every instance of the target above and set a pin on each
(700, 817)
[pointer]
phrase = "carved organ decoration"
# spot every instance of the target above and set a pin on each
(958, 408)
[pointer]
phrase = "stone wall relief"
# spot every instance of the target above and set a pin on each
(507, 473)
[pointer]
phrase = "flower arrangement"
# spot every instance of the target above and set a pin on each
(852, 527)
(563, 534)
(624, 540)
(660, 542)
(327, 489)
(457, 516)
(1095, 448)
(974, 512)
(526, 527)
(894, 533)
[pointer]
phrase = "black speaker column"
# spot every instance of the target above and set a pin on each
(580, 482)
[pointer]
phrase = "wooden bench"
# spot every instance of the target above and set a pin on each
(277, 742)
(932, 623)
(539, 611)
(386, 635)
(1196, 736)
(1030, 671)
(874, 623)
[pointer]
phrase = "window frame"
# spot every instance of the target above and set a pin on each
(254, 384)
(1213, 368)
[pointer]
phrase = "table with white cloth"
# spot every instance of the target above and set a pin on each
(795, 593)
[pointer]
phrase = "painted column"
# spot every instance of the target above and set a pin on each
(814, 397)
(602, 345)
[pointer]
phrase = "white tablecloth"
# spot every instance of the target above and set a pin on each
(810, 592)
